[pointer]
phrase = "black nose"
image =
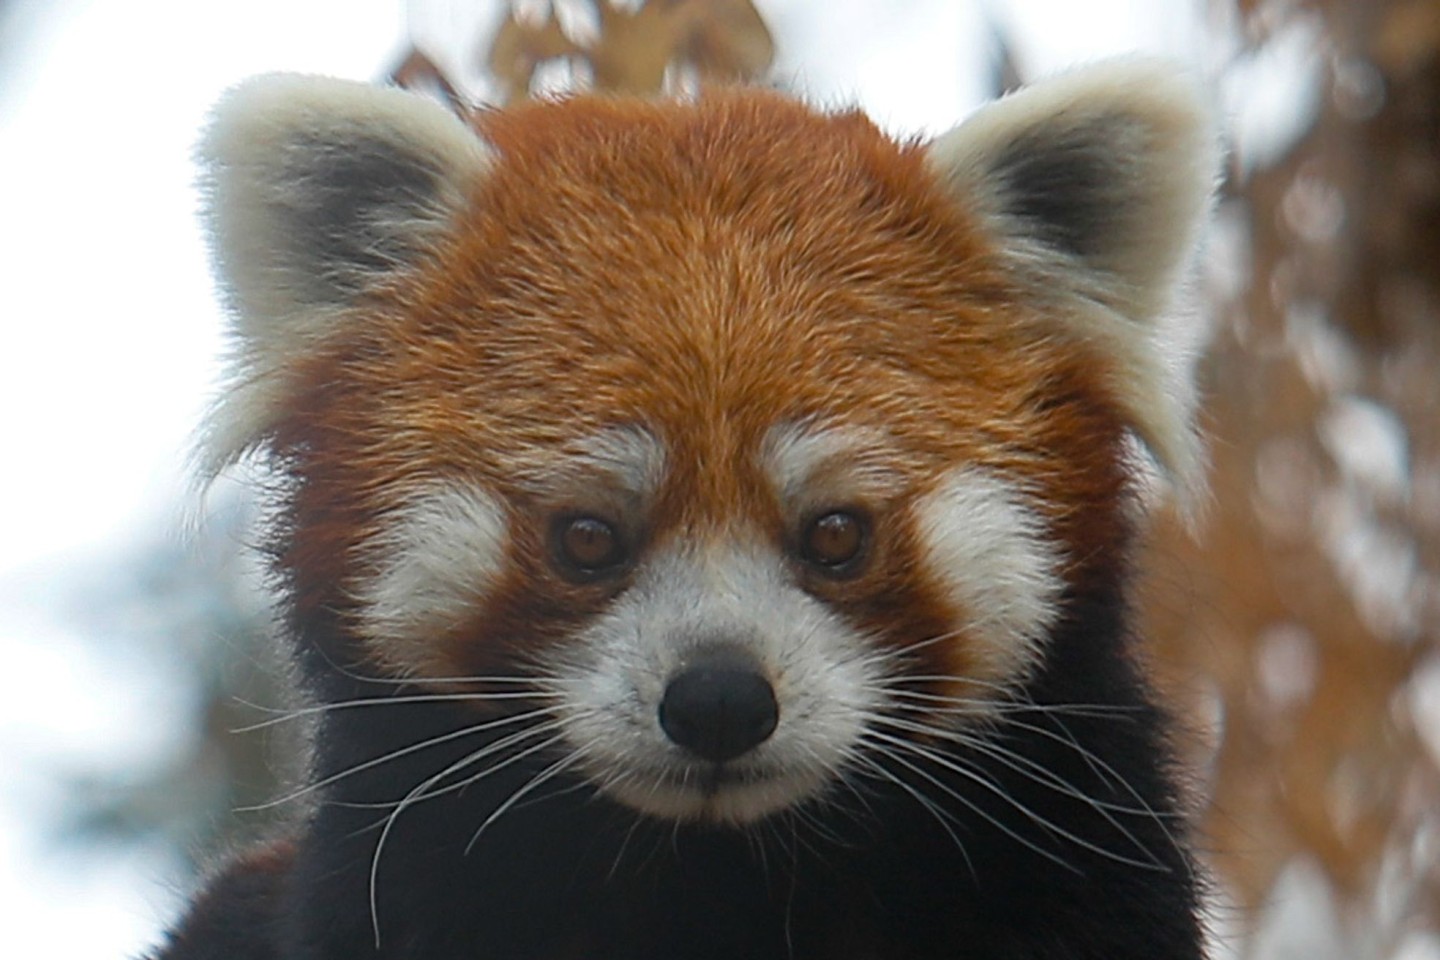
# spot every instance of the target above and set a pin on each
(719, 707)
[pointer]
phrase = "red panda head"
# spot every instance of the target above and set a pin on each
(725, 425)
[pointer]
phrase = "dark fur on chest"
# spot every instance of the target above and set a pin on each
(1057, 837)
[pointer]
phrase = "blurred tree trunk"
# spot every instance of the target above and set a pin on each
(1313, 598)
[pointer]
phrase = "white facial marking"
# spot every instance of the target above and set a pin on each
(612, 679)
(433, 562)
(630, 461)
(807, 462)
(633, 456)
(992, 553)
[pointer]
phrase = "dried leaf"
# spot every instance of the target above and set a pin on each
(418, 72)
(519, 47)
(635, 49)
(731, 44)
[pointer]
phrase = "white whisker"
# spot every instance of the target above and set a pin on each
(296, 713)
(419, 794)
(489, 750)
(948, 763)
(942, 816)
(1018, 762)
(396, 754)
(1042, 775)
(544, 776)
(972, 704)
(969, 804)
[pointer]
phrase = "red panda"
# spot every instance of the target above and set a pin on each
(705, 527)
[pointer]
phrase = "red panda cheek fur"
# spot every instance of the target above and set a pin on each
(702, 279)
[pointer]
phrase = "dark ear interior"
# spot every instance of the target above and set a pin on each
(352, 210)
(1103, 174)
(1072, 188)
(316, 189)
(1093, 186)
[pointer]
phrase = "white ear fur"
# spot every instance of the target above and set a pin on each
(316, 189)
(1096, 184)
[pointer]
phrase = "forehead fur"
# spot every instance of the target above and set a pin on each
(709, 270)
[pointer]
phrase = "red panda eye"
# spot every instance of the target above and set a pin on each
(588, 545)
(834, 541)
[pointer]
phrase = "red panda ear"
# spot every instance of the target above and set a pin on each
(316, 189)
(1095, 184)
(1104, 172)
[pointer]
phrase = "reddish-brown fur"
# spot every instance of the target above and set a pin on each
(690, 269)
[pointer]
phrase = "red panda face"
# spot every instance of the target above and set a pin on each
(728, 428)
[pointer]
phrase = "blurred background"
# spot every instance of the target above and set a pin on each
(1297, 630)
